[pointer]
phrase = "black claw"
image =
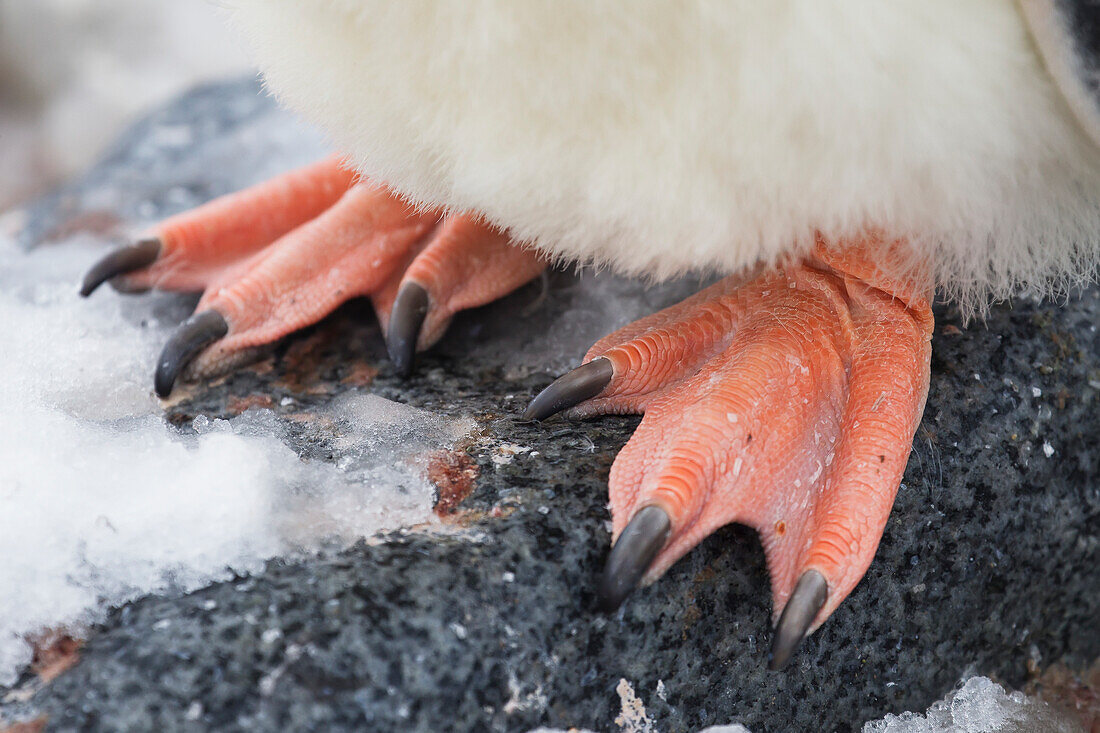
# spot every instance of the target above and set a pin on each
(810, 594)
(572, 388)
(196, 333)
(632, 554)
(410, 308)
(121, 261)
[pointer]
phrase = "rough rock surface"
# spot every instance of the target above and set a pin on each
(990, 563)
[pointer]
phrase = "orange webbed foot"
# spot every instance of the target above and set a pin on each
(281, 255)
(786, 401)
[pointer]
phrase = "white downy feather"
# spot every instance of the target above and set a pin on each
(663, 136)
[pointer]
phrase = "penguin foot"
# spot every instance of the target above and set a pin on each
(281, 255)
(787, 401)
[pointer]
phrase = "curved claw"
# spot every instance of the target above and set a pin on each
(632, 554)
(410, 308)
(196, 333)
(572, 388)
(809, 595)
(121, 261)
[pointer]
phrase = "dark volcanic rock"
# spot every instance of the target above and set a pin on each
(989, 563)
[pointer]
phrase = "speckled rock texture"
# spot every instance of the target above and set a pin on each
(989, 563)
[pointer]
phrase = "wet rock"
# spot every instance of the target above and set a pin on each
(989, 563)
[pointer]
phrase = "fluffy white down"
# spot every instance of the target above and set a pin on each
(663, 136)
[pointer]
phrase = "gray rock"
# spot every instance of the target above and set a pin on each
(989, 562)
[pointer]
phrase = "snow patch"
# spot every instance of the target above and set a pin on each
(979, 706)
(101, 500)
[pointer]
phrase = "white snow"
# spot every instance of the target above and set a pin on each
(102, 501)
(979, 706)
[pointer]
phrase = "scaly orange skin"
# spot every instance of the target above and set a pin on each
(279, 256)
(466, 265)
(785, 401)
(199, 245)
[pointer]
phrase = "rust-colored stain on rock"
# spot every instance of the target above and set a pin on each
(360, 374)
(303, 360)
(453, 473)
(237, 405)
(54, 652)
(1077, 693)
(27, 726)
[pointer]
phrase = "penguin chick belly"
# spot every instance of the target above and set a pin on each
(708, 135)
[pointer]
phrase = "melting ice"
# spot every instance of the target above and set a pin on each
(102, 501)
(979, 706)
